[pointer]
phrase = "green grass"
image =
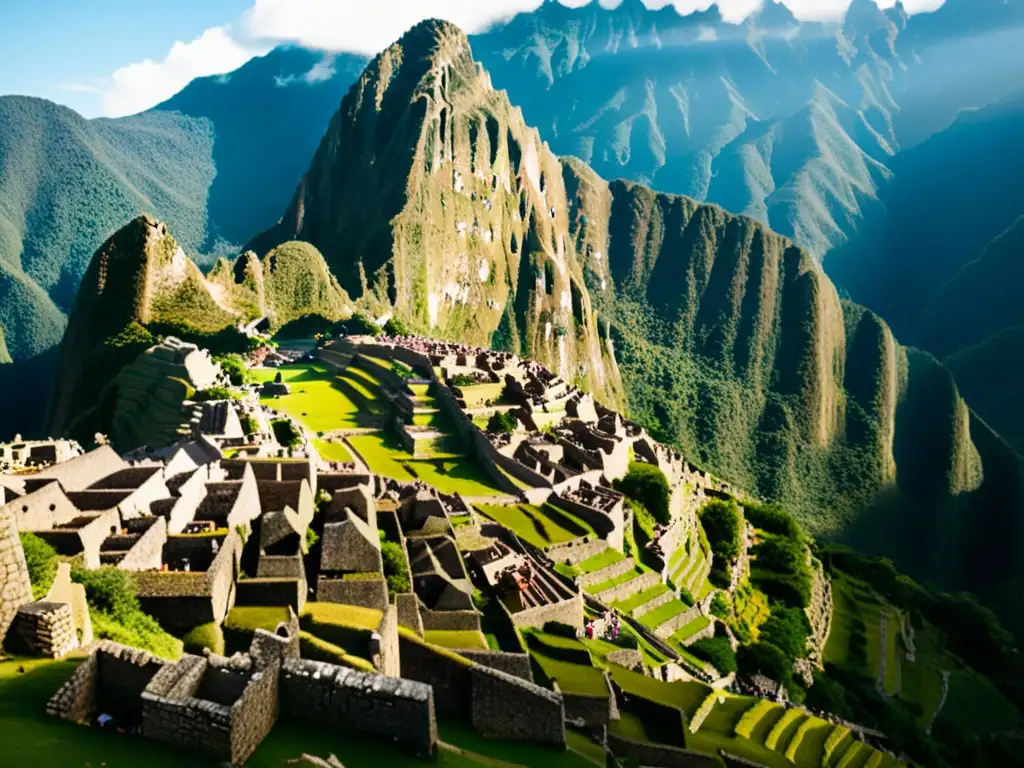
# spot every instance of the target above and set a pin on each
(449, 473)
(922, 678)
(629, 726)
(477, 395)
(578, 679)
(687, 631)
(242, 621)
(640, 598)
(622, 578)
(456, 640)
(663, 613)
(854, 600)
(686, 697)
(603, 560)
(977, 706)
(500, 752)
(318, 398)
(531, 523)
(333, 451)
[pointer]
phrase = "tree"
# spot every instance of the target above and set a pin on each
(717, 651)
(765, 659)
(395, 326)
(647, 485)
(359, 325)
(721, 521)
(502, 423)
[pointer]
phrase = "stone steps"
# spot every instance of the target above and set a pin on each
(629, 588)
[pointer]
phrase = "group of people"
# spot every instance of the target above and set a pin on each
(611, 627)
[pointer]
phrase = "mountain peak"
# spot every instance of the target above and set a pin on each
(774, 15)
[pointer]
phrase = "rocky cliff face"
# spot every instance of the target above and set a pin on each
(429, 193)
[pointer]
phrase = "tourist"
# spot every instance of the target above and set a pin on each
(590, 630)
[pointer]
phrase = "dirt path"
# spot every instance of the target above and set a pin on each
(942, 702)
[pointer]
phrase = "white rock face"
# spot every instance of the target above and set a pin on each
(433, 305)
(485, 269)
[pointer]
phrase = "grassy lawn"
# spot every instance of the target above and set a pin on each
(536, 525)
(689, 630)
(710, 742)
(686, 697)
(629, 726)
(318, 397)
(449, 473)
(477, 395)
(580, 679)
(660, 615)
(333, 451)
(854, 600)
(456, 640)
(977, 706)
(630, 604)
(497, 752)
(603, 560)
(922, 679)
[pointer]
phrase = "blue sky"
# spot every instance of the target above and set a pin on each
(118, 57)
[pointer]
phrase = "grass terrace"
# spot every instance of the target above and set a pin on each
(975, 705)
(449, 473)
(597, 589)
(641, 598)
(333, 451)
(603, 560)
(657, 617)
(854, 602)
(457, 640)
(567, 661)
(322, 400)
(541, 526)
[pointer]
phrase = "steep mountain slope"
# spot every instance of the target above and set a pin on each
(730, 341)
(140, 285)
(431, 193)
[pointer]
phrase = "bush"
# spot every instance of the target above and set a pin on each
(765, 659)
(396, 569)
(42, 562)
(395, 326)
(771, 518)
(788, 630)
(721, 522)
(720, 607)
(214, 393)
(285, 433)
(109, 590)
(358, 325)
(208, 635)
(235, 368)
(502, 423)
(463, 380)
(249, 424)
(717, 651)
(647, 485)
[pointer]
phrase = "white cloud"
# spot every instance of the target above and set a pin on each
(146, 83)
(361, 26)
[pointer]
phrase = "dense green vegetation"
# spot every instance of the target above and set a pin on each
(646, 485)
(723, 526)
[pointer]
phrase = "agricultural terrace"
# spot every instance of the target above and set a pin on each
(754, 729)
(865, 632)
(354, 403)
(541, 526)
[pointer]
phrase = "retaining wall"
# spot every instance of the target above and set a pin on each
(506, 707)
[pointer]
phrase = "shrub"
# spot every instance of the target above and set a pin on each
(720, 607)
(396, 569)
(395, 326)
(463, 380)
(647, 485)
(787, 629)
(109, 590)
(502, 423)
(208, 635)
(717, 651)
(249, 424)
(235, 368)
(771, 518)
(312, 537)
(285, 433)
(42, 562)
(765, 659)
(214, 393)
(721, 522)
(359, 325)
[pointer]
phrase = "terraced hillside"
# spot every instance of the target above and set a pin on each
(141, 285)
(431, 196)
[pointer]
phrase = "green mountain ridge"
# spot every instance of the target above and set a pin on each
(140, 285)
(730, 341)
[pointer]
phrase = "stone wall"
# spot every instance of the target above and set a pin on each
(506, 707)
(663, 756)
(409, 612)
(147, 553)
(253, 715)
(565, 612)
(650, 605)
(608, 572)
(43, 629)
(629, 588)
(576, 552)
(678, 621)
(595, 711)
(335, 697)
(458, 621)
(446, 672)
(515, 664)
(15, 589)
(366, 593)
(289, 592)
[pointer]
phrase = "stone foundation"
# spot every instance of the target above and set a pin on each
(506, 707)
(44, 629)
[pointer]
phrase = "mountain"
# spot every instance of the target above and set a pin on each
(940, 258)
(140, 285)
(430, 194)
